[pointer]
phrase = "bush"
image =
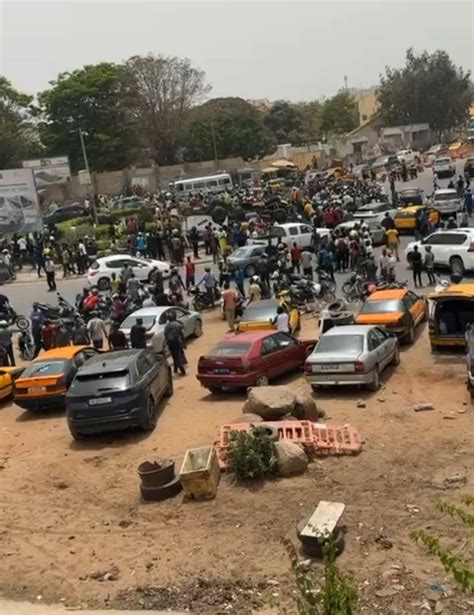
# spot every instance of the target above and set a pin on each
(251, 455)
(102, 231)
(151, 226)
(79, 232)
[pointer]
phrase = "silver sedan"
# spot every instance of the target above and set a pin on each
(352, 354)
(154, 320)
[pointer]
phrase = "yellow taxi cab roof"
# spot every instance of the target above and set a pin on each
(64, 352)
(455, 290)
(386, 295)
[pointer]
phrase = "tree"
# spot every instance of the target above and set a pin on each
(285, 122)
(225, 127)
(93, 99)
(18, 139)
(339, 114)
(429, 88)
(165, 89)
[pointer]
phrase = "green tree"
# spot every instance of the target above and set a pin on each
(165, 88)
(226, 127)
(429, 88)
(18, 137)
(339, 114)
(285, 122)
(94, 99)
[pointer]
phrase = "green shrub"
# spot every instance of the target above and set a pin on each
(102, 231)
(251, 455)
(151, 226)
(80, 231)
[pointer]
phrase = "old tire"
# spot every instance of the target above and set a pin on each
(396, 357)
(270, 431)
(410, 336)
(375, 383)
(157, 494)
(262, 381)
(148, 422)
(103, 283)
(156, 474)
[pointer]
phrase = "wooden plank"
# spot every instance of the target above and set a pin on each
(324, 519)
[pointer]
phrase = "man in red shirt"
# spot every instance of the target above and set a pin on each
(190, 269)
(91, 302)
(295, 253)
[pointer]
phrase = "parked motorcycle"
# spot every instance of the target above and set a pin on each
(14, 319)
(201, 299)
(26, 345)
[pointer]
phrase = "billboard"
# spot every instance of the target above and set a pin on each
(19, 207)
(49, 170)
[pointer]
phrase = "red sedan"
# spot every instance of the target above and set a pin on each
(250, 359)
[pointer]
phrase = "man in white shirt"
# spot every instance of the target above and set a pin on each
(23, 250)
(282, 320)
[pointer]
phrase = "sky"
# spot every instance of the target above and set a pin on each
(268, 49)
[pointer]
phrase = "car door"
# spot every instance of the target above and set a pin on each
(146, 377)
(387, 344)
(289, 352)
(415, 305)
(435, 241)
(270, 357)
(376, 350)
(141, 270)
(306, 236)
(183, 317)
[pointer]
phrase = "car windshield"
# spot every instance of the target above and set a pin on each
(230, 349)
(148, 321)
(95, 382)
(340, 343)
(241, 252)
(447, 196)
(382, 306)
(259, 313)
(44, 368)
(443, 161)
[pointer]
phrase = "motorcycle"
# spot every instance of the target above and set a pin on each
(201, 299)
(26, 345)
(14, 319)
(64, 309)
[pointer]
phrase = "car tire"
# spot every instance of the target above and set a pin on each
(169, 388)
(396, 357)
(197, 330)
(77, 435)
(262, 381)
(214, 390)
(156, 494)
(375, 383)
(456, 265)
(103, 283)
(410, 336)
(250, 270)
(148, 422)
(434, 347)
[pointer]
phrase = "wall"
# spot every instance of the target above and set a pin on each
(367, 107)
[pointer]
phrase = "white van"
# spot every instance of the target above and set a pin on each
(209, 183)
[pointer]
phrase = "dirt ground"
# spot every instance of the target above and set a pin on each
(69, 510)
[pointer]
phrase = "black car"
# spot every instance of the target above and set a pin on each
(469, 167)
(65, 212)
(117, 390)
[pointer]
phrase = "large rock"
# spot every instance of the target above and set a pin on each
(270, 402)
(249, 418)
(291, 458)
(306, 409)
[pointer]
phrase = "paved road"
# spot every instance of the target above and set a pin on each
(22, 295)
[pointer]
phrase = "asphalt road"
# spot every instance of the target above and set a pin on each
(22, 295)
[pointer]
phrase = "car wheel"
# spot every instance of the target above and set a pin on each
(149, 416)
(396, 357)
(410, 336)
(375, 384)
(22, 323)
(197, 331)
(250, 270)
(215, 390)
(103, 284)
(77, 435)
(262, 381)
(434, 347)
(456, 265)
(169, 387)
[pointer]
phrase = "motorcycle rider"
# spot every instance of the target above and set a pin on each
(6, 344)
(210, 283)
(37, 321)
(5, 310)
(92, 301)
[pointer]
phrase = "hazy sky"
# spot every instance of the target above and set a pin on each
(294, 50)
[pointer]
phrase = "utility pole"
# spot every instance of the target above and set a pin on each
(86, 164)
(214, 144)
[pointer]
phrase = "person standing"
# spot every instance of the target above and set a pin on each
(383, 264)
(37, 321)
(295, 254)
(468, 201)
(190, 269)
(50, 273)
(429, 265)
(174, 336)
(117, 339)
(80, 333)
(23, 251)
(6, 345)
(82, 257)
(239, 277)
(417, 265)
(393, 241)
(138, 334)
(48, 335)
(209, 282)
(97, 331)
(194, 239)
(306, 261)
(229, 300)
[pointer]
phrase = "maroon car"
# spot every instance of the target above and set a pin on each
(250, 359)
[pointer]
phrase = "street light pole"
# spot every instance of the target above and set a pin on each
(86, 164)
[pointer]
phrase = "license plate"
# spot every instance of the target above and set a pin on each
(36, 389)
(326, 368)
(221, 370)
(98, 401)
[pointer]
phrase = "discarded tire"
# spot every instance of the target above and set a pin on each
(156, 473)
(270, 431)
(156, 494)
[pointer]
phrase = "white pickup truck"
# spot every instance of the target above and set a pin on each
(293, 232)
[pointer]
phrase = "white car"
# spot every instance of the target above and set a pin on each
(293, 232)
(100, 271)
(444, 167)
(453, 249)
(447, 202)
(375, 211)
(407, 155)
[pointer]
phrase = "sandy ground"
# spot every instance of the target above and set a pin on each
(70, 509)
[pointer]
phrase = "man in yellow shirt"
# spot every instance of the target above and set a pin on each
(393, 241)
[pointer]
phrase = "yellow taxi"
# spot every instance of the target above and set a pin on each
(405, 217)
(260, 315)
(400, 310)
(44, 383)
(451, 313)
(7, 378)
